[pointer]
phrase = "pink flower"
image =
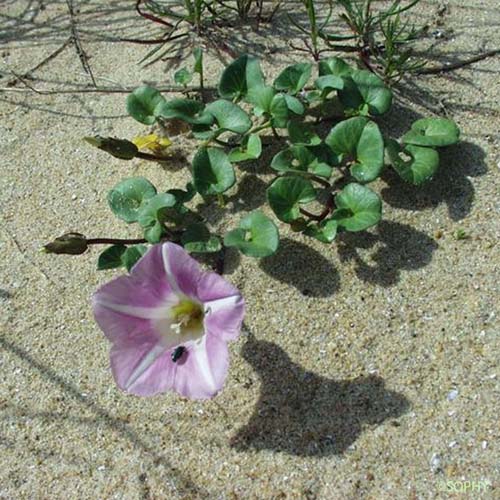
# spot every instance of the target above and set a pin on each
(169, 323)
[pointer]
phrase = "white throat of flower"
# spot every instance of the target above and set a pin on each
(183, 323)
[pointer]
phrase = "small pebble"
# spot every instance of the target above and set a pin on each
(435, 463)
(452, 395)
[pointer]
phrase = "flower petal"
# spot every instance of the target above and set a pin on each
(121, 327)
(124, 307)
(146, 286)
(203, 370)
(212, 286)
(142, 369)
(224, 317)
(182, 271)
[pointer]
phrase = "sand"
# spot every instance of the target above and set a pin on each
(366, 369)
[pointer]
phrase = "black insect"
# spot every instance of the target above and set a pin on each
(177, 353)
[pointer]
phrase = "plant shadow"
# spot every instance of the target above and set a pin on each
(398, 247)
(304, 414)
(450, 185)
(302, 267)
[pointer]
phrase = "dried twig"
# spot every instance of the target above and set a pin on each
(458, 64)
(84, 58)
(99, 90)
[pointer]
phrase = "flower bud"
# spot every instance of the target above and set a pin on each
(69, 243)
(119, 148)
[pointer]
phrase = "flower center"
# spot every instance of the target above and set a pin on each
(187, 318)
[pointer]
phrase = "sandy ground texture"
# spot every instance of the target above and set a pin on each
(366, 369)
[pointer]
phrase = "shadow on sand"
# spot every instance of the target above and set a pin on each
(304, 414)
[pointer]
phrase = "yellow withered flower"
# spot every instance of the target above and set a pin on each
(153, 142)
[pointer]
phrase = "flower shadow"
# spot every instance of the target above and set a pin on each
(304, 414)
(302, 267)
(396, 247)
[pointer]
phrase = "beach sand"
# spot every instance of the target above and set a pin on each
(366, 369)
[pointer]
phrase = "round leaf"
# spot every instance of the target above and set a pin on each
(183, 76)
(197, 239)
(188, 110)
(365, 92)
(361, 139)
(229, 116)
(325, 231)
(334, 66)
(154, 209)
(358, 208)
(327, 83)
(239, 77)
(279, 111)
(294, 78)
(294, 105)
(301, 133)
(132, 254)
(432, 132)
(126, 197)
(261, 97)
(142, 102)
(249, 151)
(212, 171)
(422, 164)
(111, 257)
(257, 236)
(286, 193)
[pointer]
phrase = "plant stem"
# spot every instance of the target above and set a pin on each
(149, 157)
(115, 241)
(258, 128)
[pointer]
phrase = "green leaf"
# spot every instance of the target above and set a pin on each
(111, 257)
(198, 60)
(316, 160)
(327, 83)
(155, 209)
(188, 110)
(257, 236)
(325, 231)
(197, 239)
(366, 93)
(126, 197)
(294, 78)
(229, 116)
(132, 254)
(183, 196)
(301, 133)
(239, 77)
(212, 171)
(142, 102)
(286, 193)
(251, 149)
(432, 132)
(279, 111)
(334, 66)
(358, 208)
(261, 97)
(154, 233)
(119, 148)
(422, 164)
(361, 139)
(183, 77)
(294, 105)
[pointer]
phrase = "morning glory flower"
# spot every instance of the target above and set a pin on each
(169, 323)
